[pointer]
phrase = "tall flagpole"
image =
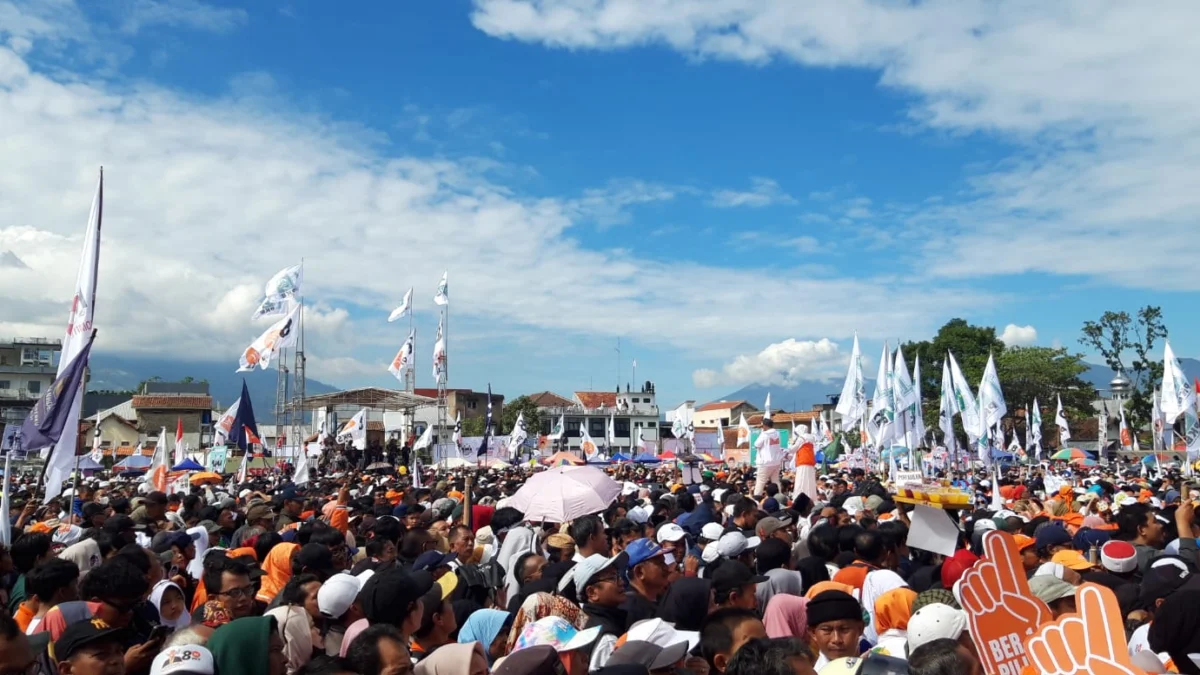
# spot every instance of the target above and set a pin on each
(297, 430)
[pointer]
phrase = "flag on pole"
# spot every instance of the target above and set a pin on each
(403, 308)
(425, 440)
(1178, 396)
(48, 421)
(883, 411)
(355, 430)
(1034, 430)
(767, 407)
(252, 437)
(97, 452)
(586, 444)
(991, 397)
(60, 459)
(517, 436)
(300, 474)
(743, 432)
(6, 502)
(560, 428)
(1126, 437)
(286, 282)
(439, 355)
(457, 436)
(946, 410)
(917, 415)
(442, 296)
(271, 307)
(1102, 429)
(964, 401)
(644, 445)
(224, 424)
(243, 424)
(403, 360)
(1156, 422)
(180, 452)
(416, 471)
(681, 425)
(156, 477)
(610, 431)
(853, 401)
(1060, 421)
(905, 396)
(720, 435)
(280, 335)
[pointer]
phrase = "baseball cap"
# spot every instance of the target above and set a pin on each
(556, 632)
(1052, 535)
(431, 560)
(670, 532)
(770, 525)
(386, 596)
(447, 582)
(934, 622)
(541, 660)
(291, 493)
(83, 633)
(183, 660)
(641, 550)
(734, 574)
(118, 523)
(1119, 557)
(712, 531)
(259, 512)
(733, 544)
(584, 570)
(1048, 588)
(956, 566)
(1088, 537)
(163, 544)
(1072, 560)
(1023, 542)
(648, 654)
(659, 632)
(338, 593)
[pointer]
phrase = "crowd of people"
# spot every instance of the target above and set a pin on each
(363, 573)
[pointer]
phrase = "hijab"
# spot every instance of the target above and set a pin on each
(787, 616)
(452, 659)
(156, 597)
(483, 626)
(240, 647)
(195, 568)
(685, 603)
(540, 606)
(278, 567)
(779, 582)
(893, 609)
(876, 584)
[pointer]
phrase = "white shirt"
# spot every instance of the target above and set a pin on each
(769, 448)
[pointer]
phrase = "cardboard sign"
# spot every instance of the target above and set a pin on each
(1001, 610)
(909, 478)
(1092, 641)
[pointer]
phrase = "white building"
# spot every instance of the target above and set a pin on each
(632, 413)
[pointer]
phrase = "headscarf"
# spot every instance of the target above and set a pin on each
(812, 571)
(85, 555)
(452, 659)
(685, 603)
(195, 568)
(156, 596)
(779, 582)
(278, 567)
(1176, 629)
(483, 626)
(823, 586)
(893, 609)
(295, 627)
(240, 647)
(540, 606)
(787, 616)
(352, 631)
(876, 584)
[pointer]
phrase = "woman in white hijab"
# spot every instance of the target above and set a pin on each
(167, 597)
(195, 568)
(876, 584)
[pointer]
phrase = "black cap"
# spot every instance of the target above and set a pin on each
(431, 560)
(540, 660)
(163, 541)
(734, 574)
(119, 523)
(648, 654)
(291, 494)
(83, 633)
(386, 596)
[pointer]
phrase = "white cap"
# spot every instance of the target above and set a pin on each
(712, 531)
(339, 592)
(1050, 569)
(638, 515)
(733, 544)
(718, 493)
(670, 532)
(935, 622)
(245, 493)
(583, 571)
(661, 633)
(180, 659)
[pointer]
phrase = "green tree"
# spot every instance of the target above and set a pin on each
(472, 426)
(971, 346)
(521, 405)
(1044, 373)
(1126, 343)
(187, 380)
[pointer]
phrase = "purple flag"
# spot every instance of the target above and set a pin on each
(44, 425)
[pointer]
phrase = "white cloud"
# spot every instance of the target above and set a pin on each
(783, 363)
(1109, 149)
(800, 244)
(1019, 336)
(205, 197)
(191, 14)
(763, 192)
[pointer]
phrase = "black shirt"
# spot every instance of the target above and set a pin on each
(637, 608)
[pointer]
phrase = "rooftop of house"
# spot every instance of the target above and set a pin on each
(597, 399)
(720, 405)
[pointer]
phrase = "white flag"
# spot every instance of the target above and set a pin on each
(355, 431)
(559, 429)
(180, 446)
(681, 425)
(457, 435)
(518, 435)
(442, 297)
(285, 282)
(905, 398)
(61, 458)
(425, 440)
(586, 444)
(720, 434)
(300, 474)
(743, 432)
(1178, 396)
(224, 426)
(1034, 425)
(1060, 420)
(883, 411)
(97, 453)
(1156, 422)
(403, 308)
(439, 355)
(1126, 436)
(767, 407)
(644, 445)
(947, 409)
(991, 399)
(853, 401)
(403, 360)
(272, 306)
(280, 335)
(610, 432)
(916, 425)
(964, 401)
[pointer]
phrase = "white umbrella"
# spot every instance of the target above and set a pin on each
(454, 463)
(564, 493)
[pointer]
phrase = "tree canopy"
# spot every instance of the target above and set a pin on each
(519, 405)
(1127, 345)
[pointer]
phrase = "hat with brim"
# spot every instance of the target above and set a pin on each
(647, 654)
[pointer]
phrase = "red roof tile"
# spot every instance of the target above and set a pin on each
(781, 418)
(180, 402)
(720, 405)
(549, 399)
(597, 399)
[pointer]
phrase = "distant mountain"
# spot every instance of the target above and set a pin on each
(805, 394)
(112, 372)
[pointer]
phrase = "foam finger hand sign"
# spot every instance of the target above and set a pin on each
(1091, 642)
(1001, 610)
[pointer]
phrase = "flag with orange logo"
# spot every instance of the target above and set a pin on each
(280, 335)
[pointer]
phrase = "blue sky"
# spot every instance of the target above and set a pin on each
(723, 186)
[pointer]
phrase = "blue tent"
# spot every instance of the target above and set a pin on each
(646, 459)
(86, 463)
(620, 458)
(133, 463)
(187, 465)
